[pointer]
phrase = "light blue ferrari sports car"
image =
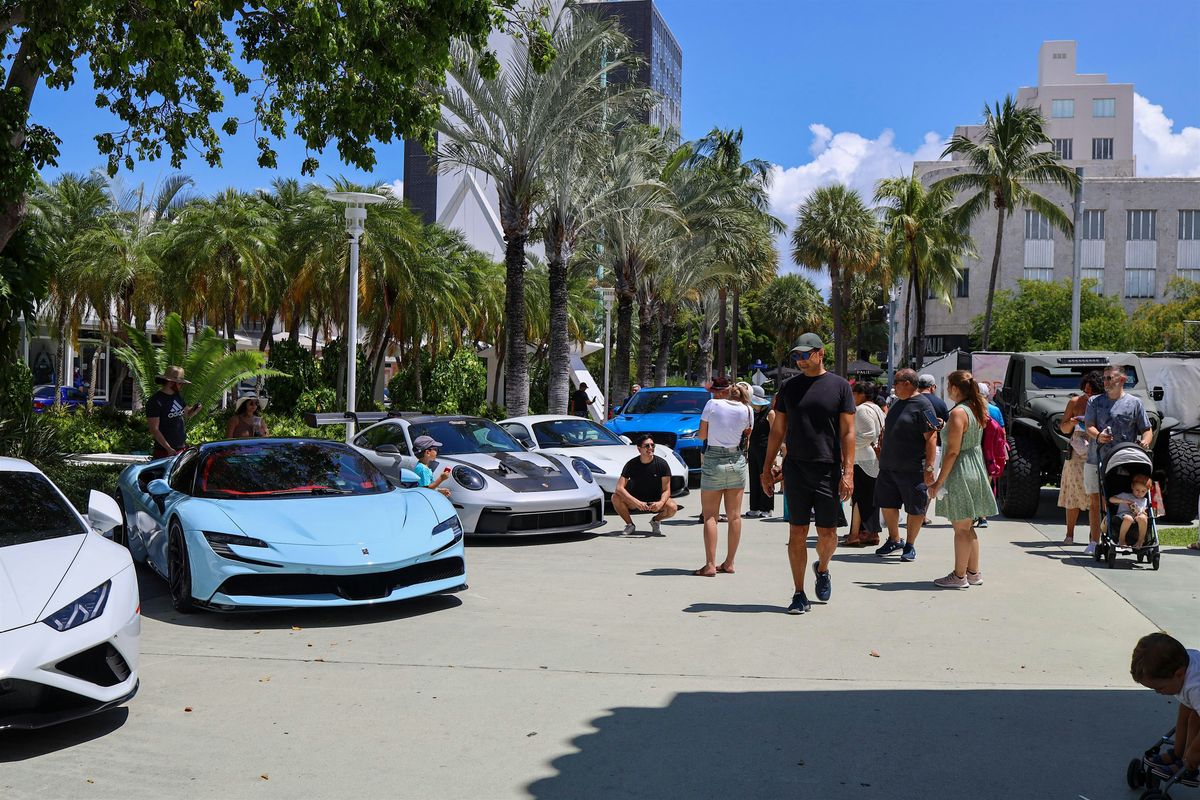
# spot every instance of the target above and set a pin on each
(276, 523)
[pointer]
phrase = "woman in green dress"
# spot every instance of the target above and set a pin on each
(964, 477)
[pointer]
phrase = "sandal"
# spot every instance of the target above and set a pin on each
(1194, 546)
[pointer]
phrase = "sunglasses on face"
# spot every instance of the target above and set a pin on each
(647, 447)
(803, 355)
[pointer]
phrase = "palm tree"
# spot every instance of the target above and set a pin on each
(791, 305)
(836, 231)
(1010, 157)
(506, 127)
(926, 238)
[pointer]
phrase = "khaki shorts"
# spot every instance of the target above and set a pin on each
(1091, 478)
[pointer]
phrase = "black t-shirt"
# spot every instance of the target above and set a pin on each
(169, 410)
(814, 407)
(579, 402)
(904, 434)
(939, 406)
(644, 481)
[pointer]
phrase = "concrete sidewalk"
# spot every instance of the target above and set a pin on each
(599, 667)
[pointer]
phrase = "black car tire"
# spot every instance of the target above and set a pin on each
(1019, 489)
(179, 571)
(1182, 487)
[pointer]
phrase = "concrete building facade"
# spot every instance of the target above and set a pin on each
(1136, 233)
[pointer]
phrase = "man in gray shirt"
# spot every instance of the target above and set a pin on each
(1110, 418)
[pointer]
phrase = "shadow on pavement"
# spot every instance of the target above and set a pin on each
(659, 572)
(1075, 557)
(23, 745)
(156, 604)
(899, 745)
(735, 608)
(925, 585)
(536, 540)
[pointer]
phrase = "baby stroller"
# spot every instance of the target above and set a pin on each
(1117, 470)
(1141, 773)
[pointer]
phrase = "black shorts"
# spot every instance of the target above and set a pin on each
(811, 491)
(894, 489)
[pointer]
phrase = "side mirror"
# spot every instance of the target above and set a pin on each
(388, 450)
(626, 440)
(158, 488)
(1157, 394)
(103, 513)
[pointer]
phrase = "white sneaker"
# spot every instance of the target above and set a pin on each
(655, 528)
(630, 529)
(1090, 549)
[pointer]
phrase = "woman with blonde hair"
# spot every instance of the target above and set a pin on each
(964, 477)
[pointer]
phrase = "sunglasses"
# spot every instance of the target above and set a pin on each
(802, 355)
(646, 447)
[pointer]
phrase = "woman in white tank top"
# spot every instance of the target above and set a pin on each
(726, 419)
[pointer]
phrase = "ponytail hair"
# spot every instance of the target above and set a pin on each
(966, 385)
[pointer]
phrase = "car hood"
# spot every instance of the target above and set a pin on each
(29, 574)
(329, 520)
(519, 472)
(655, 422)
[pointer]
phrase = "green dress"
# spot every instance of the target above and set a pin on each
(968, 488)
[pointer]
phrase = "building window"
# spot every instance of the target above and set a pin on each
(1189, 225)
(1141, 226)
(1036, 225)
(1093, 224)
(1104, 107)
(1102, 149)
(1063, 148)
(1139, 282)
(1188, 256)
(963, 287)
(1062, 108)
(1059, 56)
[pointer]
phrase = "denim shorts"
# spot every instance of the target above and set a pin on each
(724, 468)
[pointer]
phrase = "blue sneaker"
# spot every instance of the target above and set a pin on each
(799, 604)
(824, 584)
(909, 554)
(889, 547)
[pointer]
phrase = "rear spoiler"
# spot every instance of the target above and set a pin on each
(314, 420)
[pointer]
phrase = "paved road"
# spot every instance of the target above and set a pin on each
(597, 667)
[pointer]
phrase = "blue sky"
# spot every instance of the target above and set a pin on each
(828, 91)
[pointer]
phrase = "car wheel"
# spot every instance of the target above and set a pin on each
(179, 570)
(1182, 487)
(1020, 487)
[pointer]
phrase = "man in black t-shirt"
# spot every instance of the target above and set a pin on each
(166, 414)
(580, 401)
(814, 411)
(906, 464)
(927, 386)
(645, 488)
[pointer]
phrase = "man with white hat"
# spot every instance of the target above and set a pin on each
(166, 414)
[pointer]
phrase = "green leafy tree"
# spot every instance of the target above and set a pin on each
(1037, 316)
(300, 373)
(24, 281)
(791, 305)
(206, 362)
(459, 383)
(1002, 165)
(1160, 326)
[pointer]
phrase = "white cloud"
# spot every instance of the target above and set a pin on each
(843, 157)
(395, 188)
(1159, 150)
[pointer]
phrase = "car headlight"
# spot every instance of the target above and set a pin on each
(219, 542)
(581, 467)
(85, 609)
(468, 478)
(689, 434)
(452, 525)
(595, 468)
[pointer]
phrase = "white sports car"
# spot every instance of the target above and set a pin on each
(496, 486)
(604, 452)
(69, 610)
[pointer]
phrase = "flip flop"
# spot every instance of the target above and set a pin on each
(725, 570)
(700, 573)
(1194, 546)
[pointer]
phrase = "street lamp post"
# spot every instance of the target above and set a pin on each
(893, 299)
(356, 219)
(608, 296)
(1076, 264)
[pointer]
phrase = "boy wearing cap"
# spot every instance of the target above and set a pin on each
(166, 414)
(426, 448)
(814, 412)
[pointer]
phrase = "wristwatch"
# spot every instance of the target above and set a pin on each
(929, 469)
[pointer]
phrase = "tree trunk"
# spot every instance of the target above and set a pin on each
(24, 74)
(704, 354)
(666, 333)
(418, 380)
(559, 382)
(736, 329)
(907, 314)
(268, 334)
(60, 356)
(92, 370)
(623, 347)
(378, 361)
(722, 298)
(687, 356)
(987, 315)
(920, 290)
(516, 370)
(645, 338)
(839, 324)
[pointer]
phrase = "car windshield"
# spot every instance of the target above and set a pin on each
(650, 401)
(460, 436)
(32, 511)
(577, 432)
(1068, 377)
(281, 469)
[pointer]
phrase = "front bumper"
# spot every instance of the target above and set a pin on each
(533, 518)
(48, 677)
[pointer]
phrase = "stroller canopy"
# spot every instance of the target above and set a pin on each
(1131, 457)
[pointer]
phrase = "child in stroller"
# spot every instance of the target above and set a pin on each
(1133, 507)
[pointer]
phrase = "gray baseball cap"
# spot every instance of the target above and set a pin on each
(807, 343)
(926, 381)
(424, 443)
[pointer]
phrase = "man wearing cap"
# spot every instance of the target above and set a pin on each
(580, 401)
(906, 464)
(814, 411)
(166, 414)
(761, 503)
(426, 449)
(926, 385)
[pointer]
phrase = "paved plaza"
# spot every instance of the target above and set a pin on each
(598, 667)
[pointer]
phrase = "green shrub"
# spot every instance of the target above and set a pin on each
(77, 481)
(17, 392)
(32, 437)
(303, 374)
(458, 384)
(402, 388)
(316, 401)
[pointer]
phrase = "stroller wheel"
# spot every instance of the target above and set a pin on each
(1154, 560)
(1098, 552)
(1153, 794)
(1135, 775)
(1110, 555)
